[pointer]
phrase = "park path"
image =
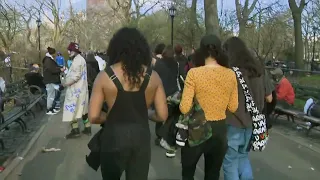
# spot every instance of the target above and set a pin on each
(283, 159)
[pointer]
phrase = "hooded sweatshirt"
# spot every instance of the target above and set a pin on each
(51, 70)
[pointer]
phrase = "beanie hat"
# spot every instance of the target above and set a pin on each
(74, 47)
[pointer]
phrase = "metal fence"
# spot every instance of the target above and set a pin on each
(301, 77)
(13, 74)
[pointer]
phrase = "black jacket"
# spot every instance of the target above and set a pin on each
(35, 79)
(168, 72)
(182, 60)
(51, 71)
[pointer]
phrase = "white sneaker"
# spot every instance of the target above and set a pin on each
(165, 145)
(51, 112)
(56, 110)
(171, 153)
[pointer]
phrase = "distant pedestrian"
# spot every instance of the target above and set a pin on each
(60, 60)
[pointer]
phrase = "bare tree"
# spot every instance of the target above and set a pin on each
(211, 17)
(121, 8)
(28, 14)
(10, 24)
(296, 15)
(58, 25)
(243, 13)
(137, 13)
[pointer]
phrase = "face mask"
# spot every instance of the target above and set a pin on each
(71, 53)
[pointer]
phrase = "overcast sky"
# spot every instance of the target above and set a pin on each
(81, 4)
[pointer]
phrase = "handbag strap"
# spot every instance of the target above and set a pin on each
(178, 82)
(250, 104)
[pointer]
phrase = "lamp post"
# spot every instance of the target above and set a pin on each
(314, 47)
(39, 44)
(172, 12)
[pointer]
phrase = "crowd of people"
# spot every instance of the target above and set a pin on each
(213, 103)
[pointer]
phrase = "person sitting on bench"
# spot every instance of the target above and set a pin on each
(312, 108)
(35, 78)
(284, 89)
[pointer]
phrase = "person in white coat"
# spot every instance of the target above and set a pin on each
(77, 94)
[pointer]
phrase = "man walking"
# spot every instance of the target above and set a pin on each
(77, 95)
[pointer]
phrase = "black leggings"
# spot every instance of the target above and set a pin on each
(134, 161)
(213, 149)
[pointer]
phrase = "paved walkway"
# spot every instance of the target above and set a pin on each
(284, 159)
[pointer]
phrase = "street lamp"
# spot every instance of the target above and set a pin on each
(172, 12)
(39, 24)
(314, 47)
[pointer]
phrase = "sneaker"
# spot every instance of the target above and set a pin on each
(56, 110)
(51, 112)
(182, 134)
(181, 137)
(165, 145)
(75, 133)
(87, 131)
(171, 153)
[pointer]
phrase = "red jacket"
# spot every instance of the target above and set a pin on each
(285, 91)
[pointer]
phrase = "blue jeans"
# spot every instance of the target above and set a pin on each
(236, 164)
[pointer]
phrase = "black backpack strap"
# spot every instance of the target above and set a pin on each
(146, 79)
(114, 78)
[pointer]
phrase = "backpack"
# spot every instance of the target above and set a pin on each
(315, 110)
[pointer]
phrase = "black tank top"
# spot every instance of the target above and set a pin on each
(127, 125)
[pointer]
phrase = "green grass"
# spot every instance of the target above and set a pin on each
(299, 104)
(312, 80)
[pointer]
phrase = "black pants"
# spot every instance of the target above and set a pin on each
(213, 149)
(134, 161)
(157, 129)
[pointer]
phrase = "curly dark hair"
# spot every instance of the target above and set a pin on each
(159, 48)
(240, 56)
(131, 48)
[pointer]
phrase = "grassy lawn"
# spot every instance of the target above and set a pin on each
(299, 104)
(312, 80)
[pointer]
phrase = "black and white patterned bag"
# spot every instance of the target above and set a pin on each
(260, 134)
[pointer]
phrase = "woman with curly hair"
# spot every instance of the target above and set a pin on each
(129, 87)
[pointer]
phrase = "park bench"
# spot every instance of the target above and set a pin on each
(302, 93)
(24, 101)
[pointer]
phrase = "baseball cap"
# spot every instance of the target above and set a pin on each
(277, 72)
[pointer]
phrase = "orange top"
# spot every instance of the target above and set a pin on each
(215, 88)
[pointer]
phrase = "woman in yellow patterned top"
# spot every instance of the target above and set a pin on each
(214, 86)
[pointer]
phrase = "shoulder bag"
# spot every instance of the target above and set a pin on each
(260, 134)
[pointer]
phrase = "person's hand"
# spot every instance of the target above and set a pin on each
(62, 69)
(61, 87)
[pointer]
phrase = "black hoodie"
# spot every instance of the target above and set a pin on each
(51, 71)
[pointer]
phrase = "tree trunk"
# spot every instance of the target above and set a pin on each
(296, 15)
(211, 17)
(193, 23)
(298, 40)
